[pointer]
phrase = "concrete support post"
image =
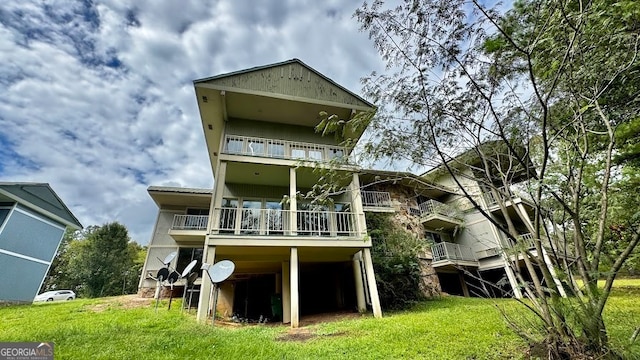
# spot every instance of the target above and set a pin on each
(293, 202)
(552, 270)
(463, 284)
(286, 293)
(216, 200)
(358, 209)
(357, 274)
(512, 280)
(295, 299)
(371, 281)
(205, 288)
(278, 283)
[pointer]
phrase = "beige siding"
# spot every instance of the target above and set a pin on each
(255, 191)
(161, 236)
(290, 79)
(277, 131)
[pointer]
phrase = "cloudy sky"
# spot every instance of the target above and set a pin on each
(96, 97)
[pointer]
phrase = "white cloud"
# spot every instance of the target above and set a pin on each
(98, 101)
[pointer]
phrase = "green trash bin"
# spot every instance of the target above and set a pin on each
(276, 307)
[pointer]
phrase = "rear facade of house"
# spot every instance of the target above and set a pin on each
(292, 257)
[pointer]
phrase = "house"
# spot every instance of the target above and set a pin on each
(296, 257)
(33, 220)
(291, 255)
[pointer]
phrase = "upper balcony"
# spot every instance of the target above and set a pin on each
(376, 201)
(281, 149)
(436, 215)
(510, 196)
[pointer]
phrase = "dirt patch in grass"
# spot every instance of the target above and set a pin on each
(121, 302)
(304, 334)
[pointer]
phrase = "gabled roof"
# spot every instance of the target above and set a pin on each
(41, 198)
(255, 69)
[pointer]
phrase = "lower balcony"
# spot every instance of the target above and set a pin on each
(276, 222)
(446, 253)
(189, 228)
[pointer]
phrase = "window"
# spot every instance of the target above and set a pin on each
(250, 218)
(228, 215)
(255, 147)
(274, 219)
(234, 146)
(276, 149)
(186, 255)
(312, 220)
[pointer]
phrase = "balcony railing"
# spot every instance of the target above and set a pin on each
(278, 222)
(376, 198)
(527, 240)
(433, 207)
(509, 193)
(281, 149)
(451, 251)
(190, 222)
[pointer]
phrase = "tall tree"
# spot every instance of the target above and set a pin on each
(97, 261)
(542, 94)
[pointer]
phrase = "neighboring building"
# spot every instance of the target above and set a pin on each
(289, 254)
(33, 220)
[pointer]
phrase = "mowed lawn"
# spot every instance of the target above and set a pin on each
(447, 328)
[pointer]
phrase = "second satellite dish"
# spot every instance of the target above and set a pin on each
(221, 270)
(188, 269)
(169, 257)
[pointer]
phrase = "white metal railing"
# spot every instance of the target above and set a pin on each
(190, 222)
(451, 251)
(376, 198)
(281, 149)
(433, 207)
(515, 191)
(528, 240)
(278, 222)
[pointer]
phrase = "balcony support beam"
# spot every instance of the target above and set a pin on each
(286, 293)
(216, 200)
(371, 281)
(295, 298)
(293, 203)
(357, 274)
(204, 306)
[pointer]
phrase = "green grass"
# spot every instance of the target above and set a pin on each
(448, 328)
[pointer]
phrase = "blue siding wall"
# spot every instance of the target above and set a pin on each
(21, 278)
(28, 236)
(23, 237)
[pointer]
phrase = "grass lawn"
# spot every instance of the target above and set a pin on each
(448, 328)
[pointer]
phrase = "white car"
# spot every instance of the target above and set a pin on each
(55, 295)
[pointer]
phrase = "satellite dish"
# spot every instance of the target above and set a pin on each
(192, 278)
(189, 267)
(169, 257)
(221, 270)
(163, 274)
(173, 277)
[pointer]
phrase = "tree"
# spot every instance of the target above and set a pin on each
(544, 94)
(97, 261)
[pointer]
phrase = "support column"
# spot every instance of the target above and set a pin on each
(209, 257)
(552, 270)
(357, 274)
(463, 284)
(371, 281)
(216, 199)
(286, 293)
(512, 279)
(295, 301)
(358, 209)
(293, 202)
